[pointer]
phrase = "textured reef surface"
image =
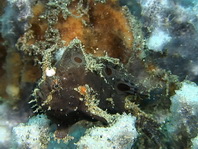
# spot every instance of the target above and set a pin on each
(98, 74)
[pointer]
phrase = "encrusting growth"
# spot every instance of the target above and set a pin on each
(103, 66)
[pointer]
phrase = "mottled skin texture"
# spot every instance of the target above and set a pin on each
(72, 72)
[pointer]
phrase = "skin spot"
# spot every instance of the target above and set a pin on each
(78, 59)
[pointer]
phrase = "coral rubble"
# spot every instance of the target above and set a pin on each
(33, 134)
(123, 131)
(184, 113)
(176, 23)
(10, 118)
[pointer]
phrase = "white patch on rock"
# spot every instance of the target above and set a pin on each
(120, 134)
(158, 40)
(33, 134)
(184, 108)
(187, 96)
(194, 143)
(12, 90)
(194, 69)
